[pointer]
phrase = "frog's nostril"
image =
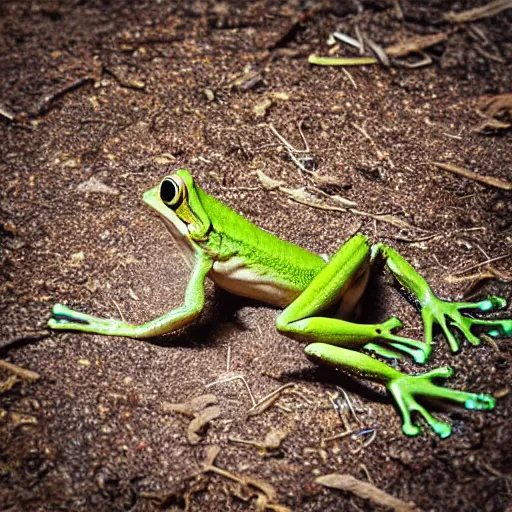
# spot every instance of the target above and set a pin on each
(168, 190)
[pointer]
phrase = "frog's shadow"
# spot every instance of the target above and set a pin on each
(221, 309)
(331, 377)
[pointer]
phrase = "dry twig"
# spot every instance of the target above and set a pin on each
(301, 196)
(486, 180)
(365, 490)
(268, 400)
(341, 61)
(486, 11)
(482, 263)
(44, 105)
(415, 44)
(229, 379)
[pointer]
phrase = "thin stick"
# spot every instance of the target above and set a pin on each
(19, 371)
(482, 263)
(349, 76)
(306, 145)
(271, 395)
(337, 436)
(118, 309)
(366, 472)
(341, 61)
(229, 379)
(367, 443)
(486, 180)
(486, 11)
(340, 412)
(490, 273)
(286, 143)
(302, 395)
(44, 104)
(228, 362)
(291, 150)
(350, 406)
(360, 38)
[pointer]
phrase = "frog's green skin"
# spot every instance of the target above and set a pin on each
(246, 260)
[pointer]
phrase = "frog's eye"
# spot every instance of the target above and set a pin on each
(170, 192)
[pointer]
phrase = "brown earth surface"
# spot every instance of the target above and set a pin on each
(99, 100)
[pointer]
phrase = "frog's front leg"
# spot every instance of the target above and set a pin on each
(446, 314)
(67, 319)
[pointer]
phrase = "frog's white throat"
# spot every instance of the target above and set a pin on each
(180, 234)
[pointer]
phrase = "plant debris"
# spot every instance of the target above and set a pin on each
(20, 372)
(46, 102)
(486, 11)
(415, 44)
(246, 488)
(271, 443)
(267, 401)
(6, 113)
(486, 180)
(302, 196)
(365, 490)
(250, 487)
(341, 61)
(201, 409)
(497, 113)
(247, 81)
(8, 383)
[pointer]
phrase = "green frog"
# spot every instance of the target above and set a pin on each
(248, 261)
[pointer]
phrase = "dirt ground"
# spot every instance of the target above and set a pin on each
(100, 100)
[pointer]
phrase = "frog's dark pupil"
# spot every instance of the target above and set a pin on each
(168, 191)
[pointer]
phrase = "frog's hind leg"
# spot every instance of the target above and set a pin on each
(404, 388)
(445, 313)
(303, 318)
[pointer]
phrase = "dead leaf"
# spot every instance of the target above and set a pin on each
(199, 423)
(192, 407)
(415, 44)
(365, 490)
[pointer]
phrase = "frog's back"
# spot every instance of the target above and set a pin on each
(255, 263)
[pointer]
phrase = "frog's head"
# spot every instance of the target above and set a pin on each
(177, 202)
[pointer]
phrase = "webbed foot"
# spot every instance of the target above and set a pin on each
(405, 388)
(448, 314)
(418, 350)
